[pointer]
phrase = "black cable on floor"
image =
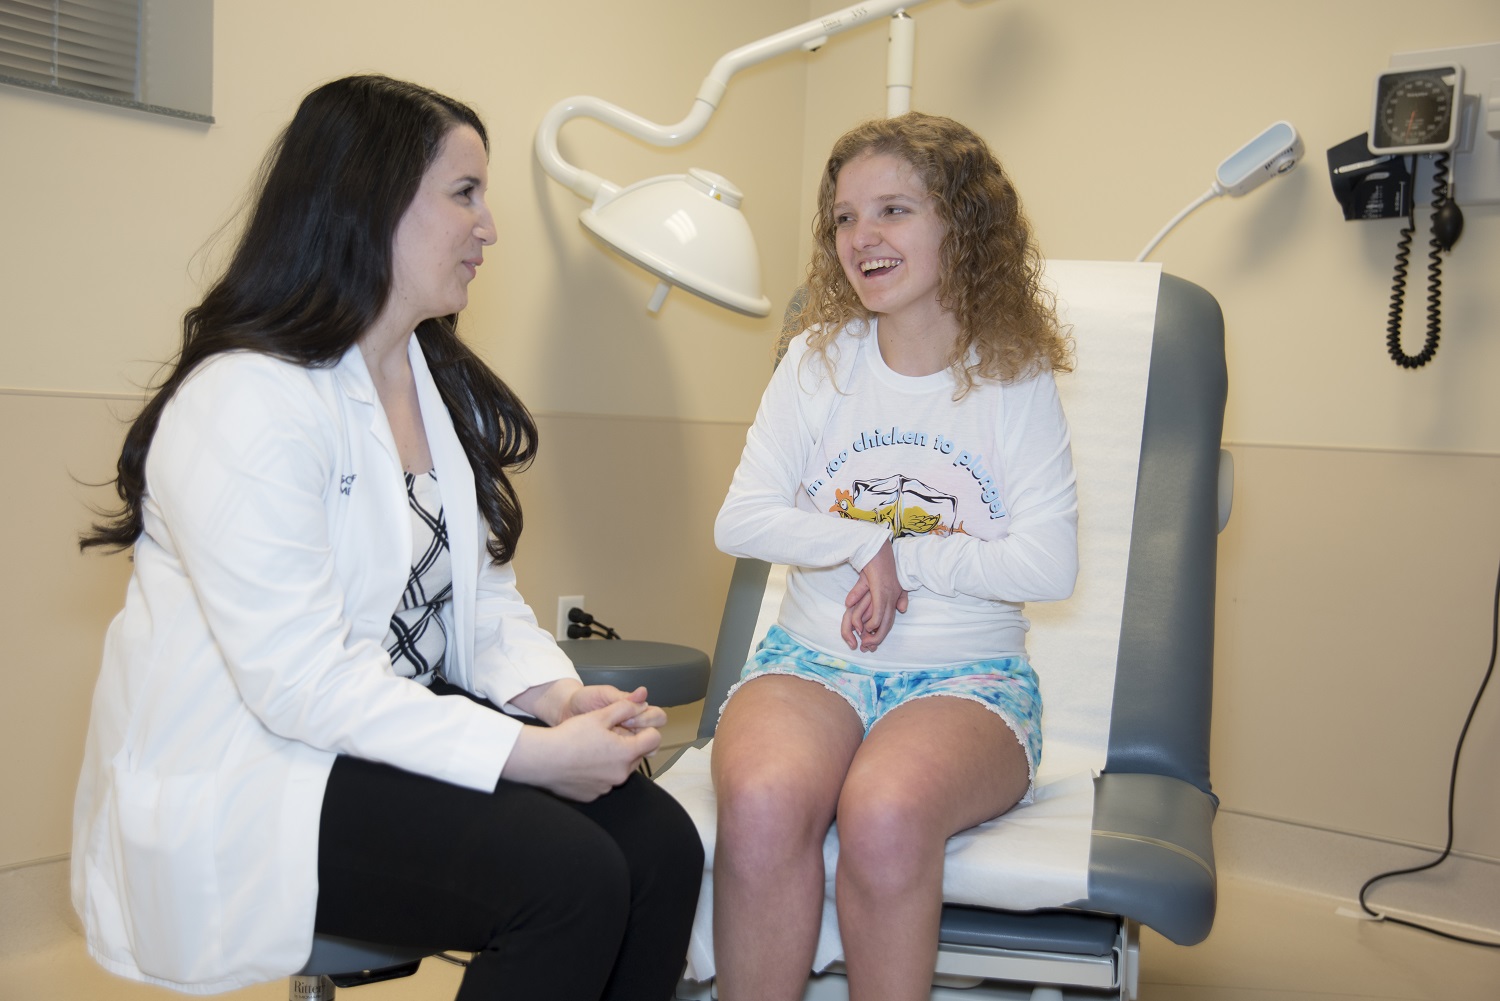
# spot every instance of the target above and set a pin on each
(1452, 789)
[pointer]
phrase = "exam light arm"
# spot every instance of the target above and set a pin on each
(589, 185)
(809, 35)
(900, 62)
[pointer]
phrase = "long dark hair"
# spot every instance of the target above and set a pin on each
(312, 271)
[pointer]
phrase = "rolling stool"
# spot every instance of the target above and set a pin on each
(673, 675)
(343, 962)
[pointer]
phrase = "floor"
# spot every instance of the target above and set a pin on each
(1277, 936)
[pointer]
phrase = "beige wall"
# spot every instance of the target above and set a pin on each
(1355, 576)
(1356, 590)
(54, 612)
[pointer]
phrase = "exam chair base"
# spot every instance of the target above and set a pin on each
(987, 973)
(304, 987)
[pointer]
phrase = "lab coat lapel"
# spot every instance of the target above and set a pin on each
(354, 379)
(376, 460)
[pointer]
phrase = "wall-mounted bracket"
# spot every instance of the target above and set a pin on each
(1476, 160)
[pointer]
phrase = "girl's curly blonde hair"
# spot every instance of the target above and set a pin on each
(990, 267)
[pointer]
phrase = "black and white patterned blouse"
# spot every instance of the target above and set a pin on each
(418, 637)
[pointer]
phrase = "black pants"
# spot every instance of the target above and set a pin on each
(557, 899)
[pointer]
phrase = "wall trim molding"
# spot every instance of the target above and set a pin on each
(1462, 894)
(572, 415)
(79, 394)
(1288, 446)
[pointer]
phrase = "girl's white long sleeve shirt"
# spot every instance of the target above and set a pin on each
(977, 496)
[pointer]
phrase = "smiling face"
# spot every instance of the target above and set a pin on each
(440, 240)
(889, 238)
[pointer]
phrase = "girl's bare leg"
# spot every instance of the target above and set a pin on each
(927, 770)
(780, 755)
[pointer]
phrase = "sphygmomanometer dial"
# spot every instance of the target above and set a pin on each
(1416, 111)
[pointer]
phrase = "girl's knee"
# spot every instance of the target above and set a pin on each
(758, 804)
(884, 838)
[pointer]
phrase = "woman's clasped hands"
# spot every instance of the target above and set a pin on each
(595, 737)
(872, 603)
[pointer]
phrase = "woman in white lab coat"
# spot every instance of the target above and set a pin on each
(295, 726)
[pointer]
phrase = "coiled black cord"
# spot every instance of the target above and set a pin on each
(1447, 225)
(1398, 299)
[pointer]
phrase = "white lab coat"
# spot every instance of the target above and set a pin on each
(249, 653)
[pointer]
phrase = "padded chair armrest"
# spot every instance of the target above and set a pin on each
(1152, 855)
(736, 629)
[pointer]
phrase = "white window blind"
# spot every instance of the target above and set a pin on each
(85, 44)
(153, 55)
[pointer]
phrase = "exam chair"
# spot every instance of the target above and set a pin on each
(1151, 858)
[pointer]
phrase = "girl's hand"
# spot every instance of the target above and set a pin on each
(873, 602)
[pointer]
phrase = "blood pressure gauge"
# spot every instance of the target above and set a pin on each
(1417, 110)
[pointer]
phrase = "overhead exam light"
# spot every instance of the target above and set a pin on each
(687, 229)
(1270, 154)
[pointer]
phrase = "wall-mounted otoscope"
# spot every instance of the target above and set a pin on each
(1270, 154)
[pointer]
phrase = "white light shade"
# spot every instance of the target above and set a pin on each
(686, 229)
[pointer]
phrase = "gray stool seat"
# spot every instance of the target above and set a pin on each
(673, 675)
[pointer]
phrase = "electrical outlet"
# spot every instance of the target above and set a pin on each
(563, 604)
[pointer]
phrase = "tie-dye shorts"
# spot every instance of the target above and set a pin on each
(1006, 686)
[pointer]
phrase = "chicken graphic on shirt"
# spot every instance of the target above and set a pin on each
(904, 504)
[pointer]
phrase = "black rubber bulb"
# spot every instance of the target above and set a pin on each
(1447, 224)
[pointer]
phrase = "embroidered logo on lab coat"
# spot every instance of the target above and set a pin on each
(346, 483)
